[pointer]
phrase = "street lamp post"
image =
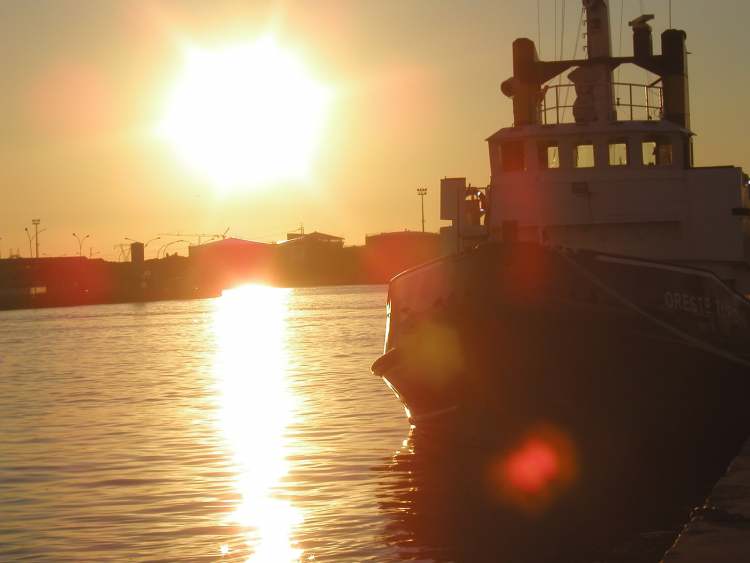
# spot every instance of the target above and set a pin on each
(165, 246)
(80, 242)
(28, 235)
(36, 222)
(145, 245)
(421, 192)
(149, 242)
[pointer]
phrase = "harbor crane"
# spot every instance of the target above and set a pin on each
(124, 249)
(199, 236)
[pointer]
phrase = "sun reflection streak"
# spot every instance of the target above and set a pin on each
(256, 407)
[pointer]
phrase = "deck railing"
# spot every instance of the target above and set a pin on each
(633, 102)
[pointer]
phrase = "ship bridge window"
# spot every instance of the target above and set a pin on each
(511, 156)
(657, 151)
(549, 155)
(618, 153)
(584, 155)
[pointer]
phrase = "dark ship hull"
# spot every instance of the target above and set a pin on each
(627, 371)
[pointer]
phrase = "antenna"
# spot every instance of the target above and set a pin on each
(539, 25)
(670, 14)
(619, 42)
(554, 45)
(562, 32)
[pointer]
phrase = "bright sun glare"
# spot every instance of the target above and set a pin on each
(245, 115)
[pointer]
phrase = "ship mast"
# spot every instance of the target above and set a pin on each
(592, 76)
(593, 83)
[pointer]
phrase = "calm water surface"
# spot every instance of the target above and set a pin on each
(245, 428)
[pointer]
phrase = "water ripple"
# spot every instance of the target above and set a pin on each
(153, 432)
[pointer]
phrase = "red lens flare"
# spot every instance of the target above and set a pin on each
(536, 471)
(533, 467)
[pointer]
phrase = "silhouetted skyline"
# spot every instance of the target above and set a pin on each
(415, 92)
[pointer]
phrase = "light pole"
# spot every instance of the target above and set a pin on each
(149, 242)
(80, 242)
(36, 222)
(28, 235)
(145, 245)
(130, 240)
(421, 192)
(165, 246)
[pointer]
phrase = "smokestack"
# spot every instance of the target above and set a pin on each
(643, 45)
(524, 87)
(675, 77)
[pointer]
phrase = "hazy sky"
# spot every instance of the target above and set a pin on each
(415, 93)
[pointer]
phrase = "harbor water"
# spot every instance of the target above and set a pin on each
(243, 428)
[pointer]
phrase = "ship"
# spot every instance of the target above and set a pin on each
(592, 316)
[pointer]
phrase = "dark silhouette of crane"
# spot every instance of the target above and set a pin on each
(199, 236)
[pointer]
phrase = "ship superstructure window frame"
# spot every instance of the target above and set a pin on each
(584, 155)
(512, 156)
(657, 151)
(549, 155)
(617, 152)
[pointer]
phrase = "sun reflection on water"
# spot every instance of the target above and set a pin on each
(256, 407)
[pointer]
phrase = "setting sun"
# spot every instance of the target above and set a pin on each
(245, 115)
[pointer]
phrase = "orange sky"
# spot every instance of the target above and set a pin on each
(417, 91)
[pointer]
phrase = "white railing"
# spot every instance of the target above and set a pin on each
(633, 102)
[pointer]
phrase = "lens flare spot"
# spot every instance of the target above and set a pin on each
(535, 472)
(533, 467)
(435, 354)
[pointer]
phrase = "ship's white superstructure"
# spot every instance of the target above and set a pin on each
(619, 177)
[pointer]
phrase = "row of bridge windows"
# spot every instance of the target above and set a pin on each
(654, 152)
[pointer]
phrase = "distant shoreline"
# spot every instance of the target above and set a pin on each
(313, 260)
